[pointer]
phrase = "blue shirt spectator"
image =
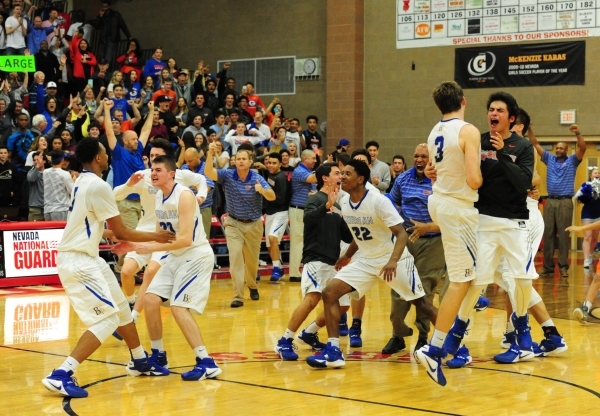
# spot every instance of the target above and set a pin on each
(209, 182)
(301, 188)
(243, 202)
(37, 34)
(561, 174)
(125, 163)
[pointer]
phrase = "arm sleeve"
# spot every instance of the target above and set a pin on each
(520, 172)
(345, 232)
(314, 210)
(280, 189)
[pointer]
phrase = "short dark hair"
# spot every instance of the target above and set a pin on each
(56, 156)
(361, 152)
(164, 145)
(219, 113)
(323, 170)
(295, 119)
(275, 155)
(168, 161)
(250, 83)
(230, 78)
(158, 48)
(229, 93)
(210, 131)
(448, 97)
(312, 118)
(361, 168)
(2, 146)
(282, 151)
(506, 98)
(92, 125)
(87, 150)
(243, 97)
(399, 157)
(371, 143)
(211, 80)
(524, 119)
(234, 112)
(343, 158)
(246, 146)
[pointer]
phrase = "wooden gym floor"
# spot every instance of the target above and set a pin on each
(256, 382)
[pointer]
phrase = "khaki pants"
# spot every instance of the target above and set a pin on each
(206, 220)
(131, 212)
(296, 240)
(36, 214)
(430, 263)
(243, 243)
(558, 214)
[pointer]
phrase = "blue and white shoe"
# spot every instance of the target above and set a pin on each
(523, 330)
(550, 345)
(285, 349)
(455, 336)
(355, 339)
(508, 339)
(461, 358)
(330, 357)
(482, 304)
(64, 383)
(312, 340)
(143, 367)
(204, 368)
(430, 357)
(514, 355)
(159, 357)
(277, 274)
(344, 325)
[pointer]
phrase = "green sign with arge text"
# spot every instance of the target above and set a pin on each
(17, 63)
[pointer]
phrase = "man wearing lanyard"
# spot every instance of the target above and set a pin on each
(196, 165)
(411, 191)
(303, 181)
(558, 212)
(244, 192)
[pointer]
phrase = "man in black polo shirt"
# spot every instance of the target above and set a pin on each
(324, 227)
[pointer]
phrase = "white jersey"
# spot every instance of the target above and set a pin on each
(92, 202)
(449, 161)
(148, 193)
(167, 215)
(370, 220)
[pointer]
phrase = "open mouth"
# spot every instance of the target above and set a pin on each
(494, 123)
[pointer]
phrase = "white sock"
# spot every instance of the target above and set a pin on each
(438, 338)
(312, 328)
(587, 304)
(130, 299)
(276, 263)
(138, 353)
(289, 334)
(70, 364)
(335, 342)
(549, 322)
(157, 344)
(509, 326)
(134, 315)
(201, 352)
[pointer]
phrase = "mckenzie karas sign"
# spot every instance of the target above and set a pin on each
(521, 65)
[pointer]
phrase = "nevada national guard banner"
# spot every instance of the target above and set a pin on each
(521, 65)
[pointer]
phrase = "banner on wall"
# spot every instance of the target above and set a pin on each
(520, 65)
(31, 252)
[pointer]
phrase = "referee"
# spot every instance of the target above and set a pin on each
(244, 192)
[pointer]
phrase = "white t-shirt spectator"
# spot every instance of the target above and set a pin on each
(16, 39)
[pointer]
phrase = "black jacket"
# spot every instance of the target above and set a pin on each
(507, 175)
(49, 65)
(110, 26)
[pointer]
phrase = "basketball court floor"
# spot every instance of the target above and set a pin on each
(40, 329)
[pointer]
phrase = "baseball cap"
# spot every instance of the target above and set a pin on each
(343, 142)
(163, 99)
(51, 84)
(183, 72)
(103, 62)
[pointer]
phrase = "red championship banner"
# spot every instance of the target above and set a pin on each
(31, 252)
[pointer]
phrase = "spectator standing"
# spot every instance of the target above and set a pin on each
(154, 65)
(58, 185)
(35, 178)
(194, 163)
(558, 211)
(7, 175)
(131, 60)
(48, 63)
(342, 147)
(588, 195)
(397, 168)
(254, 101)
(380, 171)
(183, 88)
(110, 23)
(311, 135)
(84, 65)
(37, 34)
(293, 135)
(16, 31)
(199, 108)
(244, 192)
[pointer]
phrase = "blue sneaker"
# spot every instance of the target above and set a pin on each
(482, 304)
(330, 357)
(461, 358)
(514, 355)
(64, 383)
(143, 366)
(285, 349)
(159, 357)
(355, 339)
(344, 325)
(312, 340)
(117, 336)
(204, 368)
(508, 339)
(523, 330)
(430, 357)
(550, 345)
(455, 336)
(277, 274)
